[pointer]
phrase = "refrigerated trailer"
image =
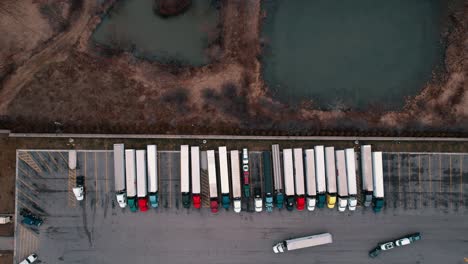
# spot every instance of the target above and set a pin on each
(288, 178)
(277, 176)
(119, 175)
(268, 181)
(351, 174)
(152, 157)
(320, 175)
(236, 184)
(377, 170)
(185, 175)
(342, 180)
(299, 178)
(131, 180)
(303, 242)
(196, 188)
(366, 171)
(142, 187)
(311, 189)
(210, 155)
(330, 175)
(224, 175)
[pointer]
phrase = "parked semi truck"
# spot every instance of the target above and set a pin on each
(210, 154)
(224, 175)
(288, 178)
(142, 187)
(236, 184)
(278, 177)
(310, 179)
(246, 172)
(330, 173)
(196, 188)
(366, 171)
(303, 242)
(351, 174)
(342, 180)
(299, 178)
(131, 180)
(320, 175)
(268, 181)
(185, 175)
(377, 166)
(152, 157)
(119, 175)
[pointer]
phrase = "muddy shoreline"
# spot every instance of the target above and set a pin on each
(227, 96)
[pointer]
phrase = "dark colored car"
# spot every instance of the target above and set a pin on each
(30, 218)
(374, 252)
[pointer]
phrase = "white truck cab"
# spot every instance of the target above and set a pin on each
(30, 259)
(237, 206)
(5, 219)
(78, 190)
(352, 203)
(122, 199)
(311, 201)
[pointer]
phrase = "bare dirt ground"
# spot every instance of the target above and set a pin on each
(89, 89)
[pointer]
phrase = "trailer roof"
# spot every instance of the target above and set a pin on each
(142, 188)
(152, 158)
(320, 168)
(378, 174)
(195, 161)
(341, 173)
(351, 171)
(184, 169)
(235, 174)
(130, 172)
(277, 173)
(210, 154)
(366, 168)
(310, 172)
(223, 169)
(330, 169)
(119, 167)
(288, 172)
(309, 241)
(299, 171)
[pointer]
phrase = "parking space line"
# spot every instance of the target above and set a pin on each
(107, 173)
(63, 157)
(24, 172)
(44, 161)
(450, 181)
(440, 173)
(430, 174)
(419, 181)
(26, 157)
(169, 161)
(26, 195)
(95, 178)
(29, 186)
(399, 180)
(461, 180)
(53, 160)
(388, 173)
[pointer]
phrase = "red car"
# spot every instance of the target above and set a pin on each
(196, 201)
(214, 206)
(143, 204)
(300, 203)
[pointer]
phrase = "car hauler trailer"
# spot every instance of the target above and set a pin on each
(142, 187)
(210, 155)
(185, 175)
(278, 177)
(288, 178)
(303, 242)
(299, 178)
(196, 188)
(342, 180)
(152, 157)
(378, 200)
(330, 173)
(224, 175)
(246, 172)
(310, 179)
(268, 181)
(131, 181)
(366, 171)
(320, 175)
(351, 174)
(119, 175)
(236, 184)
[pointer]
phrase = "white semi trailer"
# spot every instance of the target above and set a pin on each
(185, 175)
(342, 180)
(310, 179)
(288, 178)
(377, 164)
(351, 173)
(277, 176)
(131, 180)
(224, 175)
(320, 175)
(299, 178)
(119, 175)
(196, 187)
(236, 184)
(142, 187)
(152, 157)
(303, 242)
(210, 155)
(330, 173)
(366, 171)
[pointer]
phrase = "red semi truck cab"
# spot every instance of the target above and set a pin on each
(214, 206)
(143, 204)
(300, 203)
(196, 199)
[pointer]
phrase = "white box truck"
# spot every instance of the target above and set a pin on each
(342, 180)
(377, 170)
(224, 175)
(210, 156)
(152, 156)
(142, 187)
(330, 175)
(351, 173)
(185, 175)
(366, 171)
(236, 184)
(196, 188)
(299, 178)
(131, 180)
(119, 175)
(288, 178)
(320, 175)
(310, 179)
(277, 176)
(303, 242)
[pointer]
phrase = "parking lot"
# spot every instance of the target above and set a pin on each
(417, 185)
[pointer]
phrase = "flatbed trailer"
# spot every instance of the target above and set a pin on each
(268, 181)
